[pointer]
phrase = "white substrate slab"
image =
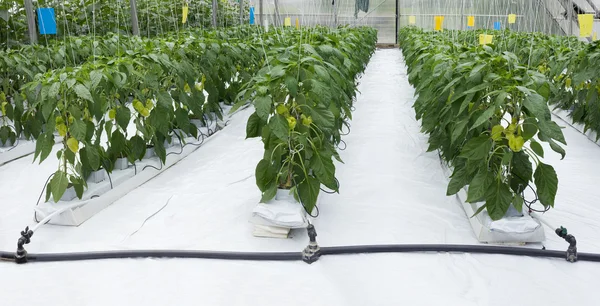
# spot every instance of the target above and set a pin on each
(98, 196)
(514, 228)
(392, 191)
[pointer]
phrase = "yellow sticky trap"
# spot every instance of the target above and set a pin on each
(184, 14)
(512, 18)
(586, 24)
(412, 19)
(287, 22)
(439, 23)
(471, 21)
(485, 39)
(297, 23)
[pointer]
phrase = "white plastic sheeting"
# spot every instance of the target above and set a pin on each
(391, 192)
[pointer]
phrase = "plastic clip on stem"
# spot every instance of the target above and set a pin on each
(572, 250)
(312, 252)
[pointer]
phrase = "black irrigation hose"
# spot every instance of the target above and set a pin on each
(297, 256)
(345, 145)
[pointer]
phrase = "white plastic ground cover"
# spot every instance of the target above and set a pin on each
(392, 192)
(22, 148)
(514, 227)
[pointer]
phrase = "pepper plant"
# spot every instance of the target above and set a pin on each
(486, 113)
(302, 96)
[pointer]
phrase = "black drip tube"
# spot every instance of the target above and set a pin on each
(310, 254)
(298, 256)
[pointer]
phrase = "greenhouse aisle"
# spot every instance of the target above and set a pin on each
(392, 191)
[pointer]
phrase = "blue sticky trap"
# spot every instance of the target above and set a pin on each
(251, 15)
(497, 25)
(46, 21)
(469, 27)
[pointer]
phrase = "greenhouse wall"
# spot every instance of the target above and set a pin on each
(532, 16)
(381, 14)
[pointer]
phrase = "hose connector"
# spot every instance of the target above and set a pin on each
(572, 250)
(312, 252)
(21, 255)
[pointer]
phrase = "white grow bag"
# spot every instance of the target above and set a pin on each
(276, 218)
(514, 227)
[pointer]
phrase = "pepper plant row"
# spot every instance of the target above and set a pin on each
(164, 78)
(569, 64)
(486, 113)
(303, 97)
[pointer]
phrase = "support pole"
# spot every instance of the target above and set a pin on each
(215, 7)
(570, 17)
(277, 21)
(135, 27)
(261, 12)
(462, 15)
(335, 12)
(241, 12)
(31, 22)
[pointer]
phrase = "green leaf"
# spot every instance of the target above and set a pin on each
(553, 145)
(322, 72)
(458, 130)
(269, 193)
(96, 78)
(263, 105)
(123, 116)
(551, 130)
(322, 117)
(477, 148)
(159, 149)
(460, 178)
(138, 147)
(254, 126)
(484, 117)
(518, 202)
(279, 126)
(529, 128)
(479, 185)
(79, 188)
(277, 72)
(537, 148)
(292, 85)
(521, 172)
(93, 157)
(498, 199)
(308, 191)
(323, 168)
(83, 93)
(117, 142)
(58, 185)
(546, 183)
(537, 106)
(43, 146)
(164, 99)
(78, 130)
(54, 90)
(265, 174)
(507, 157)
